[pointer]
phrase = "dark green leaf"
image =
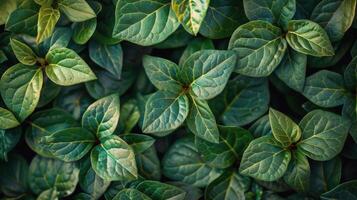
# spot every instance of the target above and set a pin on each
(347, 190)
(131, 194)
(160, 191)
(298, 173)
(139, 142)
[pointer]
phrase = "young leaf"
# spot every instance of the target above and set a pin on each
(201, 121)
(207, 72)
(165, 111)
(76, 10)
(131, 193)
(114, 159)
(309, 38)
(7, 119)
(65, 67)
(323, 134)
(259, 47)
(150, 23)
(23, 52)
(20, 89)
(264, 159)
(162, 73)
(70, 144)
(335, 16)
(284, 130)
(232, 143)
(325, 89)
(297, 175)
(160, 191)
(182, 162)
(190, 13)
(102, 116)
(47, 19)
(277, 12)
(109, 57)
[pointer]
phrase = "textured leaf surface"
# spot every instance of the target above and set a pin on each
(76, 10)
(298, 173)
(23, 52)
(259, 47)
(47, 19)
(20, 89)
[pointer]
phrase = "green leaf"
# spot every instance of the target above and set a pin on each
(335, 16)
(20, 89)
(259, 46)
(23, 20)
(207, 72)
(342, 191)
(148, 164)
(61, 37)
(232, 143)
(102, 116)
(284, 130)
(46, 173)
(13, 176)
(8, 139)
(298, 173)
(49, 92)
(183, 163)
(292, 70)
(190, 13)
(230, 185)
(193, 46)
(309, 38)
(23, 52)
(222, 18)
(130, 116)
(3, 57)
(151, 22)
(131, 194)
(70, 144)
(165, 111)
(65, 67)
(163, 74)
(7, 119)
(47, 19)
(44, 2)
(139, 142)
(50, 194)
(6, 7)
(89, 181)
(276, 12)
(179, 38)
(114, 159)
(325, 89)
(264, 159)
(201, 121)
(76, 10)
(83, 31)
(350, 74)
(109, 57)
(323, 134)
(160, 191)
(192, 193)
(261, 127)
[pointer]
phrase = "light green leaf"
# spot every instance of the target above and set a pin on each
(65, 67)
(276, 12)
(49, 194)
(309, 38)
(6, 7)
(201, 121)
(20, 89)
(190, 13)
(160, 191)
(346, 190)
(232, 143)
(182, 162)
(165, 111)
(102, 116)
(47, 19)
(114, 159)
(335, 16)
(23, 20)
(292, 70)
(23, 52)
(284, 130)
(70, 144)
(206, 72)
(76, 10)
(229, 186)
(323, 134)
(131, 194)
(163, 74)
(297, 175)
(259, 47)
(325, 89)
(46, 173)
(109, 57)
(264, 159)
(151, 22)
(139, 142)
(7, 119)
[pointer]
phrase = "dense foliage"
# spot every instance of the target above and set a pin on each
(178, 99)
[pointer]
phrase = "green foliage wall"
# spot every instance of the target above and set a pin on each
(178, 99)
